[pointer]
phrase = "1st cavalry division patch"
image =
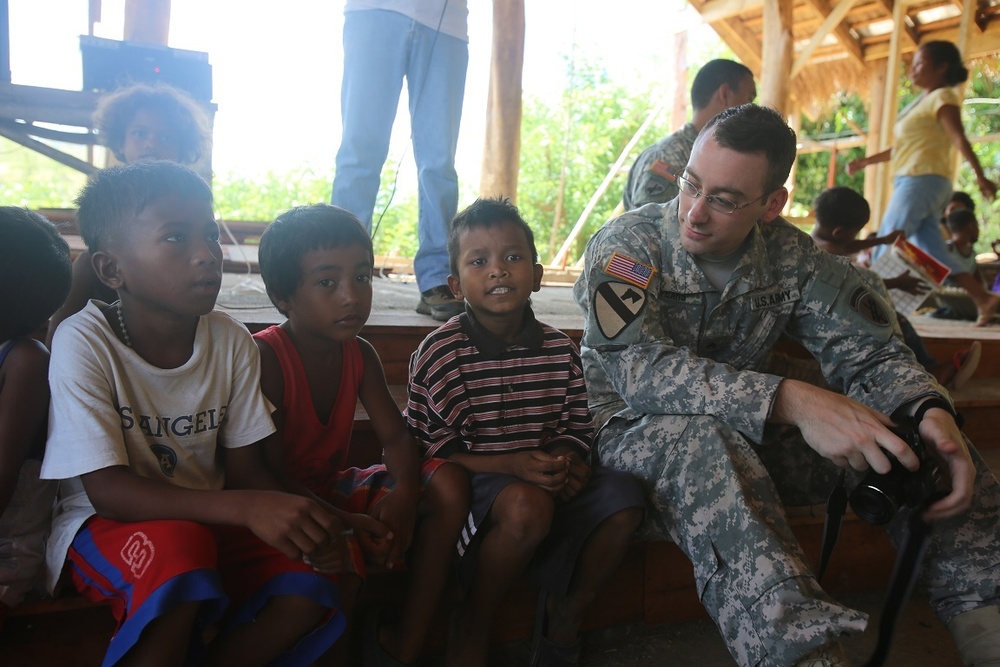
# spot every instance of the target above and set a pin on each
(616, 306)
(630, 270)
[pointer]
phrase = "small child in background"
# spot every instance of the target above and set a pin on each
(166, 508)
(503, 395)
(35, 274)
(139, 122)
(159, 122)
(841, 213)
(317, 262)
(963, 231)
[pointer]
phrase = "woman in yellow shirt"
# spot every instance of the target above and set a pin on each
(927, 133)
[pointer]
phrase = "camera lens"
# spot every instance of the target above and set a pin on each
(873, 504)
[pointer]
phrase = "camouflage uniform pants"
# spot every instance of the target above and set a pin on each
(715, 495)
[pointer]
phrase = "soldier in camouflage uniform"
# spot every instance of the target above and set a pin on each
(719, 84)
(683, 303)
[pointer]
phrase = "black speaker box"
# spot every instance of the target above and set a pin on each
(109, 64)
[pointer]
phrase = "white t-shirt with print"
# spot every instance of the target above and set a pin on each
(110, 407)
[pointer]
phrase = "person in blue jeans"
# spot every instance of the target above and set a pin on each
(426, 43)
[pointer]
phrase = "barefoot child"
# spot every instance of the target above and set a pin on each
(503, 395)
(317, 262)
(35, 274)
(157, 421)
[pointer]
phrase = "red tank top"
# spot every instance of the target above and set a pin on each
(314, 450)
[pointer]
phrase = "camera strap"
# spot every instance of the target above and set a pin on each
(904, 572)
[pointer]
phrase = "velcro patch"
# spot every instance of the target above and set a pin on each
(665, 170)
(773, 299)
(630, 270)
(869, 306)
(617, 305)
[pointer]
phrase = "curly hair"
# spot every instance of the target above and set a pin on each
(189, 121)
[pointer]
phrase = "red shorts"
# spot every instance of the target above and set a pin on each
(145, 569)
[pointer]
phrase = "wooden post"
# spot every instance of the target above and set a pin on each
(502, 150)
(777, 54)
(890, 101)
(681, 95)
(873, 175)
(147, 21)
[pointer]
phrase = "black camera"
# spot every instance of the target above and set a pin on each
(877, 498)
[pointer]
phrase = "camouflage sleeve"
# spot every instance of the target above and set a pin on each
(851, 329)
(630, 356)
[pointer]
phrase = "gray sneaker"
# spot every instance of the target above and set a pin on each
(440, 303)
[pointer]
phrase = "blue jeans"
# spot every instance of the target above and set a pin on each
(916, 207)
(381, 48)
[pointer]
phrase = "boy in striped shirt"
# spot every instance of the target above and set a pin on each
(503, 395)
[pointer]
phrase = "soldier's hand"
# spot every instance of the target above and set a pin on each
(839, 428)
(940, 432)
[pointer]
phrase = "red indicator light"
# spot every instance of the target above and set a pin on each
(156, 69)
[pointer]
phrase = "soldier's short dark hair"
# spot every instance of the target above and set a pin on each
(297, 231)
(713, 74)
(114, 197)
(841, 207)
(750, 128)
(35, 271)
(488, 212)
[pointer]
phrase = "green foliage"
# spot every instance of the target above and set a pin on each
(583, 134)
(33, 180)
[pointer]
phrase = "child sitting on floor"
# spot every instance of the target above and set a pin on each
(166, 508)
(841, 213)
(317, 262)
(963, 233)
(502, 394)
(138, 122)
(35, 274)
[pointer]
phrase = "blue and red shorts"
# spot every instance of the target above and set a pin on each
(146, 569)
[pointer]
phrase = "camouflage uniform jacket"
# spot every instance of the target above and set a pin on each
(651, 346)
(651, 178)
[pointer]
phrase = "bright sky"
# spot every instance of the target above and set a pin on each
(277, 66)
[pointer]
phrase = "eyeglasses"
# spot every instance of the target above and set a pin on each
(720, 204)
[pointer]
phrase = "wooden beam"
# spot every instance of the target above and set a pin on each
(775, 84)
(719, 10)
(877, 74)
(147, 21)
(19, 137)
(743, 42)
(678, 115)
(502, 150)
(980, 43)
(832, 21)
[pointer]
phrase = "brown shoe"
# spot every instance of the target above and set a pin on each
(440, 303)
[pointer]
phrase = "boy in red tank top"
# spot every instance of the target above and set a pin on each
(316, 262)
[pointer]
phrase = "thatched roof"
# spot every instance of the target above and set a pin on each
(837, 42)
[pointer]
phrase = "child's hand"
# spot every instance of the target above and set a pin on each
(373, 536)
(908, 283)
(579, 475)
(292, 524)
(330, 558)
(549, 471)
(892, 236)
(398, 511)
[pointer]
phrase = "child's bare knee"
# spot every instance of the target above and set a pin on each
(448, 489)
(524, 511)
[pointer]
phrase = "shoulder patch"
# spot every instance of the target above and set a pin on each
(629, 270)
(869, 306)
(665, 170)
(617, 305)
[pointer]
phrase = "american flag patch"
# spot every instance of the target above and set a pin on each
(665, 170)
(629, 270)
